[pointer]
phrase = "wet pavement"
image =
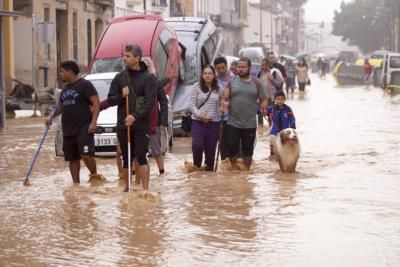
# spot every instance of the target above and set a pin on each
(341, 208)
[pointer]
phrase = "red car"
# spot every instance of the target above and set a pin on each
(152, 34)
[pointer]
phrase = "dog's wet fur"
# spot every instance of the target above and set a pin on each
(287, 150)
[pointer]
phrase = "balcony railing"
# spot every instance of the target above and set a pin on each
(134, 2)
(159, 3)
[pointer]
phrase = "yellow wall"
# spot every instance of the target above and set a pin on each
(8, 38)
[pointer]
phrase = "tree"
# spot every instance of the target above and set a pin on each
(362, 24)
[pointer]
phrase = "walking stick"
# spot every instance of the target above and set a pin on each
(219, 144)
(129, 146)
(25, 182)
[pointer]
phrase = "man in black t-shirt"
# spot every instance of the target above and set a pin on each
(78, 122)
(140, 87)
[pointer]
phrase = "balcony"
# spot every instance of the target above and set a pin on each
(158, 6)
(133, 3)
(106, 3)
(159, 3)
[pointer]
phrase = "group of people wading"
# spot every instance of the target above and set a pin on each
(224, 104)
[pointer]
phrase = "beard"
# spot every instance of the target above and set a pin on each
(244, 74)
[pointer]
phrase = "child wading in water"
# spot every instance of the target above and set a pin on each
(281, 117)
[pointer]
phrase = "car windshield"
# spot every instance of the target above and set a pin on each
(102, 87)
(101, 65)
(395, 62)
(252, 55)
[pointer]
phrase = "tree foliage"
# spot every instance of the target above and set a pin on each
(361, 23)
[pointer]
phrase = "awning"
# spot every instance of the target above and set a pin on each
(10, 13)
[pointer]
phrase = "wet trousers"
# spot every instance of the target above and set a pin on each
(204, 140)
(240, 136)
(222, 142)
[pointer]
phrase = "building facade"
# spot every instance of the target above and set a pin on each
(274, 25)
(230, 16)
(52, 31)
(129, 7)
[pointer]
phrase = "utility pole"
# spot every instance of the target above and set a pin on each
(261, 34)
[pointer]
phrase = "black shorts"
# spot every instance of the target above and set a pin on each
(139, 145)
(239, 136)
(77, 145)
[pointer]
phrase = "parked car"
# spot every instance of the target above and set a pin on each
(157, 40)
(201, 41)
(106, 137)
(391, 72)
(256, 55)
(379, 54)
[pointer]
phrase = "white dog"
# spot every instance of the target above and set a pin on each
(287, 149)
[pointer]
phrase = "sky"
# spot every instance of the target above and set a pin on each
(321, 10)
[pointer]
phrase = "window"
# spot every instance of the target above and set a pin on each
(395, 62)
(75, 35)
(159, 3)
(47, 19)
(166, 38)
(114, 64)
(208, 49)
(191, 61)
(161, 59)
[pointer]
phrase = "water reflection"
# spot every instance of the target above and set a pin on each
(220, 207)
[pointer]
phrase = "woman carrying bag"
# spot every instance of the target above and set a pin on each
(302, 75)
(204, 106)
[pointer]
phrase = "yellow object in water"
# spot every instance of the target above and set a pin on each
(375, 62)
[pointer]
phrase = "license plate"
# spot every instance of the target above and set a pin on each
(106, 141)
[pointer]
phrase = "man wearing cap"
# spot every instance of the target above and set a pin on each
(136, 83)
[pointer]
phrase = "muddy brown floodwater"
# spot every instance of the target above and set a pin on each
(342, 207)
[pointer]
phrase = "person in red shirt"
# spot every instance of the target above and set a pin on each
(367, 68)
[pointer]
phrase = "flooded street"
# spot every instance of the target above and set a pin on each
(341, 208)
